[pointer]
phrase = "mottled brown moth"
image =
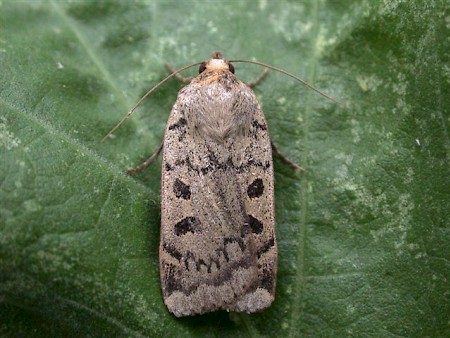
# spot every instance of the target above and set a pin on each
(218, 248)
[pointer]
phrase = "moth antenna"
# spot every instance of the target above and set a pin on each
(128, 114)
(290, 75)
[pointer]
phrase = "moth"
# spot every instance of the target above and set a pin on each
(218, 247)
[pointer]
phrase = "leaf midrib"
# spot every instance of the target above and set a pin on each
(296, 313)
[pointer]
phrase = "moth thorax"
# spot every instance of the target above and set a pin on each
(217, 65)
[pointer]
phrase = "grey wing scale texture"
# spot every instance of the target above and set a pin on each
(218, 247)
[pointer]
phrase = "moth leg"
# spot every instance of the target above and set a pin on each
(147, 162)
(178, 75)
(259, 79)
(285, 159)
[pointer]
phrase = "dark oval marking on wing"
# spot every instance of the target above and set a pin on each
(255, 224)
(181, 190)
(187, 224)
(256, 188)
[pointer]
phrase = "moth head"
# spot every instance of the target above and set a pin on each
(216, 63)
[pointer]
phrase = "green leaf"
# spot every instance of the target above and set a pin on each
(364, 238)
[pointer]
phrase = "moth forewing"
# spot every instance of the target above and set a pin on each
(218, 247)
